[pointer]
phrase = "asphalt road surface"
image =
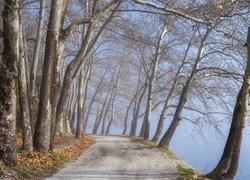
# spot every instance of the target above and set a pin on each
(118, 158)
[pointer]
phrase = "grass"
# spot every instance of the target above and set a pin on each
(24, 172)
(153, 144)
(39, 164)
(169, 153)
(150, 143)
(185, 172)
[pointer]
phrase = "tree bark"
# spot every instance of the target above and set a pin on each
(33, 71)
(86, 84)
(79, 128)
(42, 138)
(73, 117)
(56, 84)
(71, 103)
(23, 91)
(8, 75)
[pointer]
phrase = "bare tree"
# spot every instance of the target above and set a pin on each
(84, 53)
(137, 110)
(116, 86)
(228, 164)
(170, 93)
(97, 90)
(155, 61)
(184, 94)
(126, 116)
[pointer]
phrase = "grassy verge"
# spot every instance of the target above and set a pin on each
(153, 144)
(185, 172)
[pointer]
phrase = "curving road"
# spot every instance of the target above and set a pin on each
(118, 158)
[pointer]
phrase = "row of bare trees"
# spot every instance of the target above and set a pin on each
(87, 66)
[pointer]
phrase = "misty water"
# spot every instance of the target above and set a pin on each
(203, 149)
(203, 153)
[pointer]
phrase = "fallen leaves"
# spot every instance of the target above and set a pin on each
(46, 163)
(74, 151)
(41, 160)
(60, 139)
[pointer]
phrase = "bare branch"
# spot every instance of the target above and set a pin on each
(172, 11)
(67, 31)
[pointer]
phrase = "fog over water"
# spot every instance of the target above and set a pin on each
(201, 150)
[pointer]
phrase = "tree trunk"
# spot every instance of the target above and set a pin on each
(106, 112)
(133, 129)
(33, 72)
(79, 128)
(23, 91)
(56, 85)
(113, 101)
(184, 94)
(94, 131)
(86, 84)
(126, 117)
(73, 117)
(8, 75)
(147, 117)
(228, 164)
(42, 138)
(135, 117)
(67, 127)
(67, 82)
(92, 100)
(98, 121)
(111, 120)
(56, 89)
(82, 95)
(71, 103)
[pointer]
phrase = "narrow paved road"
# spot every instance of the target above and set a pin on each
(114, 157)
